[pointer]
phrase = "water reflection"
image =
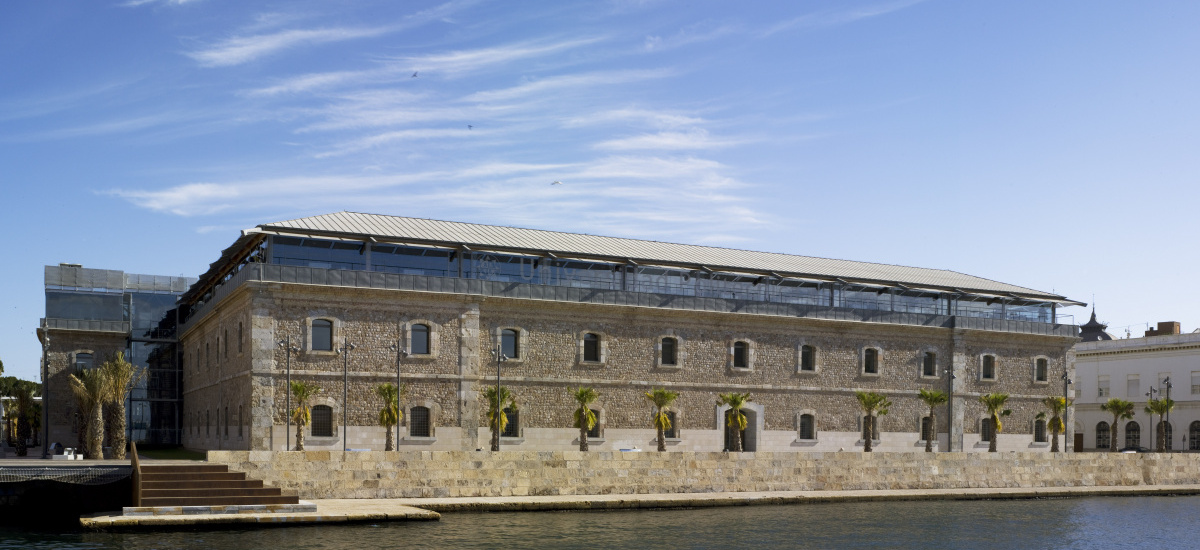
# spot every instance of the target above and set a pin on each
(1154, 522)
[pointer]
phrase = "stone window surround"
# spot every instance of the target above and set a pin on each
(877, 433)
(334, 338)
(680, 355)
(677, 424)
(406, 336)
(1033, 370)
(335, 417)
(73, 357)
(936, 363)
(995, 367)
(800, 356)
(920, 425)
(751, 352)
(604, 338)
(601, 425)
(756, 426)
(1033, 433)
(434, 411)
(862, 362)
(816, 432)
(522, 342)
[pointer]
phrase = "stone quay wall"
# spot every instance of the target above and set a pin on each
(415, 474)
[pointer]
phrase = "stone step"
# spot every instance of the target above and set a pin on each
(224, 492)
(204, 484)
(300, 506)
(184, 468)
(220, 500)
(204, 476)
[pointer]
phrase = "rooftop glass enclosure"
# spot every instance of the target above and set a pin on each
(143, 307)
(583, 273)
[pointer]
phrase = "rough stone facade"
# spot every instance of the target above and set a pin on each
(325, 474)
(235, 370)
(64, 423)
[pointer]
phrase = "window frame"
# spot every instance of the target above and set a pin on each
(582, 351)
(984, 364)
(414, 425)
(673, 355)
(986, 430)
(1132, 427)
(514, 424)
(814, 358)
(1041, 365)
(312, 426)
(420, 335)
(1040, 431)
(750, 351)
(813, 433)
(926, 353)
(312, 335)
(870, 355)
(1107, 431)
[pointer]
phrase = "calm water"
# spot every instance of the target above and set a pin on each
(1117, 522)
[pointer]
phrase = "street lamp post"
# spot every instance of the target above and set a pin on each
(1167, 423)
(398, 347)
(949, 408)
(345, 351)
(500, 358)
(1066, 406)
(1150, 394)
(286, 344)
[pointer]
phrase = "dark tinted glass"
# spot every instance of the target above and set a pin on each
(322, 335)
(420, 339)
(322, 421)
(591, 347)
(84, 305)
(510, 344)
(668, 351)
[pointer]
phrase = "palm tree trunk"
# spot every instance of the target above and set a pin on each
(662, 440)
(868, 433)
(1112, 441)
(583, 442)
(1162, 435)
(1054, 442)
(995, 436)
(299, 436)
(389, 444)
(116, 429)
(95, 433)
(496, 432)
(932, 431)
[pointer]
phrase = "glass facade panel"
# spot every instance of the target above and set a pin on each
(320, 253)
(409, 260)
(88, 306)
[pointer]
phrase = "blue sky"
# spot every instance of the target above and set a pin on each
(1046, 144)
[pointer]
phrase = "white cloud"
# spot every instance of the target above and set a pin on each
(376, 140)
(585, 80)
(689, 35)
(692, 139)
(135, 3)
(241, 49)
(657, 118)
(839, 17)
(471, 60)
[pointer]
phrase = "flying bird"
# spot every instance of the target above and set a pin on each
(556, 182)
(414, 74)
(469, 127)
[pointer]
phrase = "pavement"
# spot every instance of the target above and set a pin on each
(430, 509)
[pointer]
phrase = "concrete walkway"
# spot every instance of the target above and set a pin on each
(425, 509)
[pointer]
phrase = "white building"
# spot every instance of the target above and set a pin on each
(1161, 364)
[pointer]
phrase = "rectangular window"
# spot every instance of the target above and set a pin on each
(668, 352)
(740, 355)
(929, 367)
(985, 430)
(513, 429)
(594, 432)
(989, 367)
(510, 343)
(871, 361)
(591, 347)
(240, 337)
(1041, 370)
(1195, 382)
(420, 339)
(1133, 386)
(808, 358)
(322, 421)
(418, 422)
(1103, 389)
(807, 427)
(673, 431)
(926, 428)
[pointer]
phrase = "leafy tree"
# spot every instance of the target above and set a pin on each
(1, 367)
(1121, 410)
(585, 419)
(390, 414)
(735, 418)
(302, 414)
(994, 403)
(497, 418)
(932, 399)
(1160, 407)
(120, 376)
(873, 404)
(1058, 408)
(90, 387)
(23, 414)
(662, 399)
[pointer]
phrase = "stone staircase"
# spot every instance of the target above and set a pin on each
(173, 489)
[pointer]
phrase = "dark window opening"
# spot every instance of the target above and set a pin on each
(808, 358)
(595, 431)
(513, 429)
(1103, 435)
(808, 426)
(1039, 431)
(420, 340)
(1040, 371)
(322, 335)
(874, 423)
(510, 343)
(741, 359)
(591, 347)
(669, 356)
(989, 367)
(871, 361)
(322, 421)
(926, 428)
(84, 361)
(418, 422)
(673, 431)
(929, 368)
(985, 430)
(1133, 434)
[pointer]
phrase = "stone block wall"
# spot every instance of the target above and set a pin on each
(327, 474)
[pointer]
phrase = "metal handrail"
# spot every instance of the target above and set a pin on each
(136, 474)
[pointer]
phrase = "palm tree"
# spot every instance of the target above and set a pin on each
(585, 419)
(1058, 408)
(24, 395)
(119, 377)
(302, 414)
(735, 418)
(1121, 410)
(933, 399)
(390, 414)
(89, 388)
(1160, 407)
(497, 418)
(662, 399)
(994, 403)
(873, 404)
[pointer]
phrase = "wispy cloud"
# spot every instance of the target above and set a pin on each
(134, 3)
(692, 139)
(369, 142)
(241, 49)
(117, 126)
(839, 17)
(585, 80)
(657, 118)
(690, 35)
(53, 103)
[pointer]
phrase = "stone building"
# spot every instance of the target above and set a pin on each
(1163, 363)
(349, 301)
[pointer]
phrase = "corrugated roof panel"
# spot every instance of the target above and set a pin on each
(637, 250)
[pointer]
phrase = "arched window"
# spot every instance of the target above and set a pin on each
(985, 430)
(591, 347)
(741, 355)
(929, 366)
(1103, 435)
(1164, 429)
(1041, 370)
(419, 344)
(808, 426)
(989, 367)
(669, 353)
(1194, 436)
(808, 358)
(84, 361)
(871, 361)
(1133, 434)
(322, 335)
(418, 422)
(510, 343)
(322, 421)
(1039, 431)
(926, 428)
(513, 429)
(594, 433)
